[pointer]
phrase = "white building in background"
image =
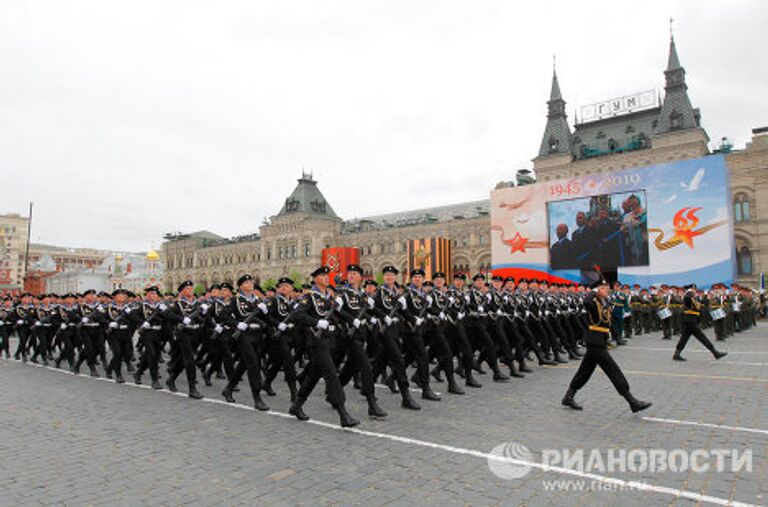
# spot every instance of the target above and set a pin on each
(128, 271)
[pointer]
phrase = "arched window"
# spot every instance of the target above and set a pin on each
(744, 260)
(741, 208)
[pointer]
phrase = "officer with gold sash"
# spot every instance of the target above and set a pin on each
(598, 308)
(691, 318)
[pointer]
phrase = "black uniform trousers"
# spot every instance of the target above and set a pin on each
(150, 355)
(599, 356)
(353, 347)
(415, 350)
(249, 346)
(389, 354)
(691, 328)
(87, 338)
(321, 365)
(183, 355)
(119, 340)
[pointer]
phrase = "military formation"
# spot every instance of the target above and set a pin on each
(360, 332)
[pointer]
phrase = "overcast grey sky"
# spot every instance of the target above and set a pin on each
(125, 120)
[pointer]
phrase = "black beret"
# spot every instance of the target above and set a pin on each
(228, 286)
(103, 294)
(497, 278)
(437, 275)
(152, 288)
(114, 292)
(390, 269)
(355, 268)
(597, 283)
(459, 276)
(428, 283)
(283, 280)
(509, 279)
(214, 286)
(322, 270)
(417, 271)
(89, 291)
(370, 282)
(25, 295)
(478, 276)
(184, 284)
(243, 279)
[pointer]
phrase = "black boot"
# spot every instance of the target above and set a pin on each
(374, 410)
(719, 354)
(227, 394)
(498, 376)
(267, 388)
(569, 401)
(137, 378)
(296, 410)
(408, 401)
(346, 420)
(428, 394)
(156, 384)
(635, 404)
(194, 393)
(678, 357)
(513, 371)
(171, 383)
(119, 378)
(259, 404)
(390, 383)
(471, 382)
(435, 372)
(453, 387)
(416, 380)
(94, 373)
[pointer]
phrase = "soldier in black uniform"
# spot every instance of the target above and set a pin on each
(119, 333)
(43, 328)
(248, 310)
(690, 322)
(350, 342)
(280, 341)
(87, 331)
(151, 315)
(23, 319)
(187, 314)
(599, 332)
(6, 325)
(316, 312)
(69, 317)
(415, 306)
(477, 325)
(439, 321)
(223, 324)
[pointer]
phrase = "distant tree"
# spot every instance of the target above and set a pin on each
(199, 289)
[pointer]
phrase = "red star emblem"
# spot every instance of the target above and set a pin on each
(517, 244)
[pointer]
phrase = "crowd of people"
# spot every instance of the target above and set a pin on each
(359, 332)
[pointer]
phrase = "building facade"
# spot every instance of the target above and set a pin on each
(291, 241)
(14, 229)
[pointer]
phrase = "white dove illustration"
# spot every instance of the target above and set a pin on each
(695, 181)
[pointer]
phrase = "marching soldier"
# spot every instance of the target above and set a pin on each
(316, 312)
(281, 312)
(691, 319)
(415, 305)
(599, 317)
(187, 314)
(87, 331)
(151, 314)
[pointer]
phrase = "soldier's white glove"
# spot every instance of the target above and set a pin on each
(64, 326)
(374, 320)
(388, 320)
(218, 329)
(282, 326)
(163, 308)
(113, 325)
(356, 323)
(19, 322)
(242, 326)
(146, 325)
(442, 315)
(466, 298)
(38, 323)
(204, 308)
(371, 302)
(187, 321)
(84, 320)
(480, 309)
(429, 299)
(403, 302)
(460, 315)
(323, 324)
(419, 321)
(263, 308)
(451, 299)
(339, 301)
(499, 312)
(127, 310)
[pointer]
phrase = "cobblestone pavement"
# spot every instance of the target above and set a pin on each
(74, 440)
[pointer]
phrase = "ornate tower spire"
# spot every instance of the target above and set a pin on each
(557, 133)
(677, 113)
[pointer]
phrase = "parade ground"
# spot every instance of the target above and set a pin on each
(75, 440)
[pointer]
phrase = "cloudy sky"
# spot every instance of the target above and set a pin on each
(126, 120)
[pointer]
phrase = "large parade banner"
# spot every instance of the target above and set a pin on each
(430, 254)
(667, 223)
(337, 259)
